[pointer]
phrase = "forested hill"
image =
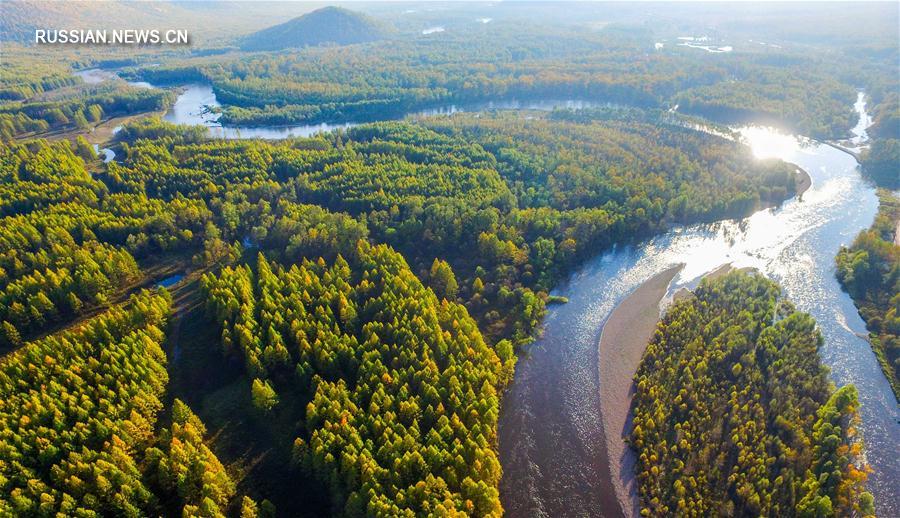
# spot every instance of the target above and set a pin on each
(734, 413)
(327, 25)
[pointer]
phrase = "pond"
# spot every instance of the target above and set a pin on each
(170, 281)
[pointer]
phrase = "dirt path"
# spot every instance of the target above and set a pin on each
(622, 343)
(100, 134)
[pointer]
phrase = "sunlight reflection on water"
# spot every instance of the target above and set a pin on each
(770, 142)
(549, 427)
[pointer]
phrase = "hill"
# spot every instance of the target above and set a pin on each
(326, 25)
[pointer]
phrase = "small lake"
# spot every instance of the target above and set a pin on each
(94, 76)
(703, 42)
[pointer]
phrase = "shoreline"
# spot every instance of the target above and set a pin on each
(621, 347)
(839, 147)
(803, 182)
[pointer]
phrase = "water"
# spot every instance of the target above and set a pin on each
(170, 281)
(108, 154)
(551, 444)
(197, 104)
(708, 48)
(860, 135)
(700, 42)
(94, 76)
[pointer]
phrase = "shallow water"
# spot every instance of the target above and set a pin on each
(551, 443)
(170, 281)
(708, 48)
(94, 76)
(108, 154)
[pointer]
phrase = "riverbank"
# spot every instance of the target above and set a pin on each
(100, 134)
(803, 181)
(622, 343)
(839, 147)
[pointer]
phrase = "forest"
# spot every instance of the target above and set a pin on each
(387, 79)
(879, 162)
(300, 239)
(869, 270)
(342, 313)
(734, 412)
(39, 100)
(398, 387)
(535, 197)
(86, 431)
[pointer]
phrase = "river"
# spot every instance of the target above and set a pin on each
(551, 442)
(197, 104)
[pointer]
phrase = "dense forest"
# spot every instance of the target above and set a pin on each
(67, 244)
(870, 271)
(734, 412)
(347, 309)
(397, 389)
(532, 195)
(84, 432)
(388, 79)
(881, 162)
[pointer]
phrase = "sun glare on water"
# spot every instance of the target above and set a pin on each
(769, 142)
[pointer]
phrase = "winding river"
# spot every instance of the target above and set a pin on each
(552, 445)
(197, 104)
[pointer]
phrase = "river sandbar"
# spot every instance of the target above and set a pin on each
(622, 343)
(803, 181)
